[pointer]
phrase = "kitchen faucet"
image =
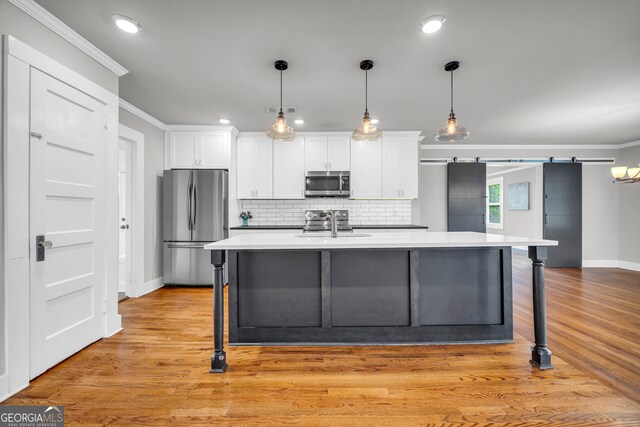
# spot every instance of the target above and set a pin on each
(332, 215)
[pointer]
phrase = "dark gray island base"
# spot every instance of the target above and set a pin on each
(373, 297)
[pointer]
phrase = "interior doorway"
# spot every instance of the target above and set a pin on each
(130, 213)
(514, 200)
(125, 192)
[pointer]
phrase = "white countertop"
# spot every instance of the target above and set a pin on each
(297, 240)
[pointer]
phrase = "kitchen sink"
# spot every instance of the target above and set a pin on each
(328, 236)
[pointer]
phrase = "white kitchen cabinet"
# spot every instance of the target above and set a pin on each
(399, 167)
(338, 153)
(254, 169)
(315, 153)
(215, 151)
(324, 153)
(288, 169)
(366, 169)
(182, 150)
(199, 150)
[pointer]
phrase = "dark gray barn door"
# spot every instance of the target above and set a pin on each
(466, 194)
(563, 213)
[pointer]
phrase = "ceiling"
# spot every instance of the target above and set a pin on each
(532, 72)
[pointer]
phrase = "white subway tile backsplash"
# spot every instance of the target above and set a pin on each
(361, 212)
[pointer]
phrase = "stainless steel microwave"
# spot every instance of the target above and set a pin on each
(328, 184)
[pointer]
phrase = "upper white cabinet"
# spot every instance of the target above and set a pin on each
(199, 150)
(387, 168)
(324, 153)
(366, 169)
(338, 153)
(254, 179)
(288, 169)
(400, 167)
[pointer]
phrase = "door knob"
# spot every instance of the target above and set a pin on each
(124, 226)
(45, 244)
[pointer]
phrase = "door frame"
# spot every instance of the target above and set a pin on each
(18, 60)
(135, 289)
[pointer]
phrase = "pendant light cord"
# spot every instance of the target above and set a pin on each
(451, 91)
(366, 90)
(281, 91)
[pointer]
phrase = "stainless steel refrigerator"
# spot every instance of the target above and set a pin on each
(195, 212)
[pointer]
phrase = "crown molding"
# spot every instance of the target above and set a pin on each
(528, 146)
(629, 144)
(40, 14)
(202, 128)
(144, 116)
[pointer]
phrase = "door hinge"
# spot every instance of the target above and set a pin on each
(106, 121)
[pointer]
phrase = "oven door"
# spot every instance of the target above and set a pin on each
(326, 184)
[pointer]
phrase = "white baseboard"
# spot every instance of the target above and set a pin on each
(149, 286)
(5, 393)
(629, 265)
(610, 263)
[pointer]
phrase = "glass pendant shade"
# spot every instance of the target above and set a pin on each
(633, 172)
(367, 131)
(280, 130)
(453, 131)
(619, 172)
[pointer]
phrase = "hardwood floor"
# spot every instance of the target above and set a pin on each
(593, 320)
(155, 371)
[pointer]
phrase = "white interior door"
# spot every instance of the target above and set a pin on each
(67, 195)
(125, 205)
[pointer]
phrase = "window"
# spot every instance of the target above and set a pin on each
(495, 190)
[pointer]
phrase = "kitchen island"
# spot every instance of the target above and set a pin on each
(360, 289)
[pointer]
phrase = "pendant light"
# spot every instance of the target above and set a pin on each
(366, 131)
(279, 130)
(452, 131)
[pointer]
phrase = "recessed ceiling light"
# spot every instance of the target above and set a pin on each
(375, 121)
(432, 23)
(299, 121)
(224, 121)
(127, 24)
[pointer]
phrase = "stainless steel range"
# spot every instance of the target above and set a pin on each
(320, 220)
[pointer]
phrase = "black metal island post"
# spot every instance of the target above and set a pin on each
(389, 288)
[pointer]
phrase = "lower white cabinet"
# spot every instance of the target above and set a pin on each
(254, 179)
(366, 169)
(288, 169)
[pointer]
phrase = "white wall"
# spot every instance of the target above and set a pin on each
(629, 212)
(521, 223)
(153, 168)
(26, 29)
(600, 197)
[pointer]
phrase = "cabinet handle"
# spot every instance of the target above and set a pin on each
(329, 165)
(546, 219)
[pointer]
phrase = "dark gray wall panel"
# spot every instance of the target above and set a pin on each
(279, 289)
(461, 287)
(370, 288)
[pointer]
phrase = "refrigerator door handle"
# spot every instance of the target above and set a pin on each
(189, 207)
(194, 206)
